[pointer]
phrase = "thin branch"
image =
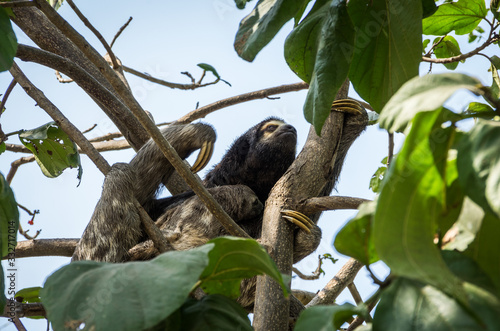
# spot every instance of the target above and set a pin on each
(15, 4)
(45, 247)
(370, 304)
(103, 146)
(260, 94)
(6, 95)
(429, 53)
(89, 129)
(461, 56)
(96, 33)
(24, 309)
(16, 164)
(314, 276)
(355, 294)
(390, 154)
(331, 291)
(147, 77)
(120, 32)
(317, 204)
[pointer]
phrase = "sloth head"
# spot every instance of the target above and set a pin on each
(258, 158)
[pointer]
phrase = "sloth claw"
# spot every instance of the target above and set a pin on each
(299, 219)
(350, 106)
(204, 156)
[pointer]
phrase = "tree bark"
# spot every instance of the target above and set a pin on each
(310, 175)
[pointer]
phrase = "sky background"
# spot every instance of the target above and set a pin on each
(164, 39)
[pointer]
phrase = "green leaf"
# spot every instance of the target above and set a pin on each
(479, 165)
(467, 225)
(260, 26)
(412, 199)
(8, 41)
(428, 7)
(388, 47)
(208, 67)
(355, 238)
(9, 218)
(234, 259)
(319, 51)
(476, 108)
(29, 294)
(411, 305)
(448, 47)
(495, 85)
(54, 151)
(467, 269)
(425, 43)
(325, 317)
(377, 178)
(462, 16)
(128, 296)
(214, 312)
(240, 4)
(3, 147)
(421, 94)
(485, 249)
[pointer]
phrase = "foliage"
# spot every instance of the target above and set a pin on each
(53, 149)
(79, 293)
(8, 41)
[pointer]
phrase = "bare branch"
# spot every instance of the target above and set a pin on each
(45, 247)
(23, 309)
(120, 32)
(390, 155)
(359, 319)
(260, 94)
(355, 294)
(147, 77)
(16, 164)
(6, 95)
(314, 276)
(104, 146)
(337, 284)
(317, 204)
(63, 80)
(461, 57)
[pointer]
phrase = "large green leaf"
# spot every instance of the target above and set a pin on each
(448, 47)
(129, 296)
(8, 42)
(412, 199)
(233, 259)
(485, 249)
(411, 305)
(495, 85)
(214, 312)
(462, 16)
(420, 94)
(355, 238)
(479, 164)
(325, 317)
(331, 65)
(388, 47)
(54, 151)
(9, 218)
(467, 226)
(262, 24)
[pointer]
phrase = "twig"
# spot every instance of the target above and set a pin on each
(12, 4)
(90, 129)
(96, 33)
(147, 77)
(120, 32)
(260, 94)
(331, 291)
(370, 304)
(314, 276)
(317, 204)
(6, 95)
(429, 53)
(390, 154)
(16, 164)
(355, 294)
(36, 211)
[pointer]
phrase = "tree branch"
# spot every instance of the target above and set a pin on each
(337, 284)
(16, 164)
(16, 4)
(102, 146)
(23, 309)
(461, 56)
(45, 247)
(309, 174)
(120, 31)
(260, 94)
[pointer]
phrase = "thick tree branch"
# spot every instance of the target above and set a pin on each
(309, 175)
(260, 94)
(331, 291)
(23, 309)
(46, 247)
(16, 4)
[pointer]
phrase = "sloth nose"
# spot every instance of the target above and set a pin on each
(289, 128)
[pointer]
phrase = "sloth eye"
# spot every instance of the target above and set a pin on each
(271, 128)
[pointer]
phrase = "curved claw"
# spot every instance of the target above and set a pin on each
(204, 156)
(299, 219)
(350, 106)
